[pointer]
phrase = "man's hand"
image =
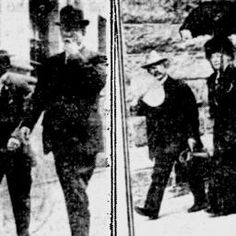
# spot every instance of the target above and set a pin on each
(13, 144)
(185, 156)
(18, 80)
(24, 134)
(19, 137)
(72, 50)
(192, 144)
(71, 47)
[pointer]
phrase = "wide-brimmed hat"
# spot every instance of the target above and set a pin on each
(219, 44)
(153, 59)
(72, 18)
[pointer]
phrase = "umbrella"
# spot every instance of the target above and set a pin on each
(213, 18)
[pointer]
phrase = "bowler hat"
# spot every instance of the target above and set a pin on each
(153, 59)
(219, 44)
(72, 18)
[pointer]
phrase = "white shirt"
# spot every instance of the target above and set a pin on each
(155, 95)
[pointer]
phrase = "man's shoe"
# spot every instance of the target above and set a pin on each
(223, 213)
(145, 212)
(197, 207)
(210, 210)
(220, 213)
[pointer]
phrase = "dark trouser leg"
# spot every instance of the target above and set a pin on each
(180, 173)
(225, 186)
(19, 185)
(74, 180)
(217, 182)
(229, 181)
(214, 197)
(160, 176)
(2, 168)
(196, 172)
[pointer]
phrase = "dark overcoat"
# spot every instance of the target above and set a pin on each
(174, 121)
(16, 166)
(222, 95)
(168, 128)
(68, 92)
(12, 111)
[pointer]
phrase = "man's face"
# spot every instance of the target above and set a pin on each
(220, 60)
(73, 40)
(159, 71)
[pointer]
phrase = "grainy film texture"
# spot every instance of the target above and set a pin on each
(179, 62)
(54, 164)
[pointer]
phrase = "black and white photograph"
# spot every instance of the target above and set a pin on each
(117, 117)
(54, 119)
(180, 85)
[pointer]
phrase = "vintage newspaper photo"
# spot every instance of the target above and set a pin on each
(180, 90)
(54, 120)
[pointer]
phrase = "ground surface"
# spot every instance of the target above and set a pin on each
(49, 215)
(174, 219)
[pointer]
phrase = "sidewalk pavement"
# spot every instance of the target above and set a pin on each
(175, 221)
(49, 215)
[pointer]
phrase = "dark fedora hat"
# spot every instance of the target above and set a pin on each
(72, 18)
(219, 44)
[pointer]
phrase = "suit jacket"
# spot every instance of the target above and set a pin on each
(174, 121)
(222, 99)
(68, 92)
(12, 111)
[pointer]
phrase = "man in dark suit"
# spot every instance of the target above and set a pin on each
(68, 88)
(222, 97)
(172, 124)
(15, 165)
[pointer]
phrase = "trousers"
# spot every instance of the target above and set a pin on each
(164, 161)
(74, 177)
(222, 184)
(17, 169)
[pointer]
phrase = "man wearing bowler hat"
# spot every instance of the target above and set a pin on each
(15, 164)
(68, 88)
(172, 126)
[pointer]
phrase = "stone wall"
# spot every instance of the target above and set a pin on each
(155, 24)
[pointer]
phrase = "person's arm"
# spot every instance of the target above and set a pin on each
(18, 88)
(92, 74)
(191, 116)
(211, 102)
(138, 109)
(39, 98)
(96, 70)
(17, 80)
